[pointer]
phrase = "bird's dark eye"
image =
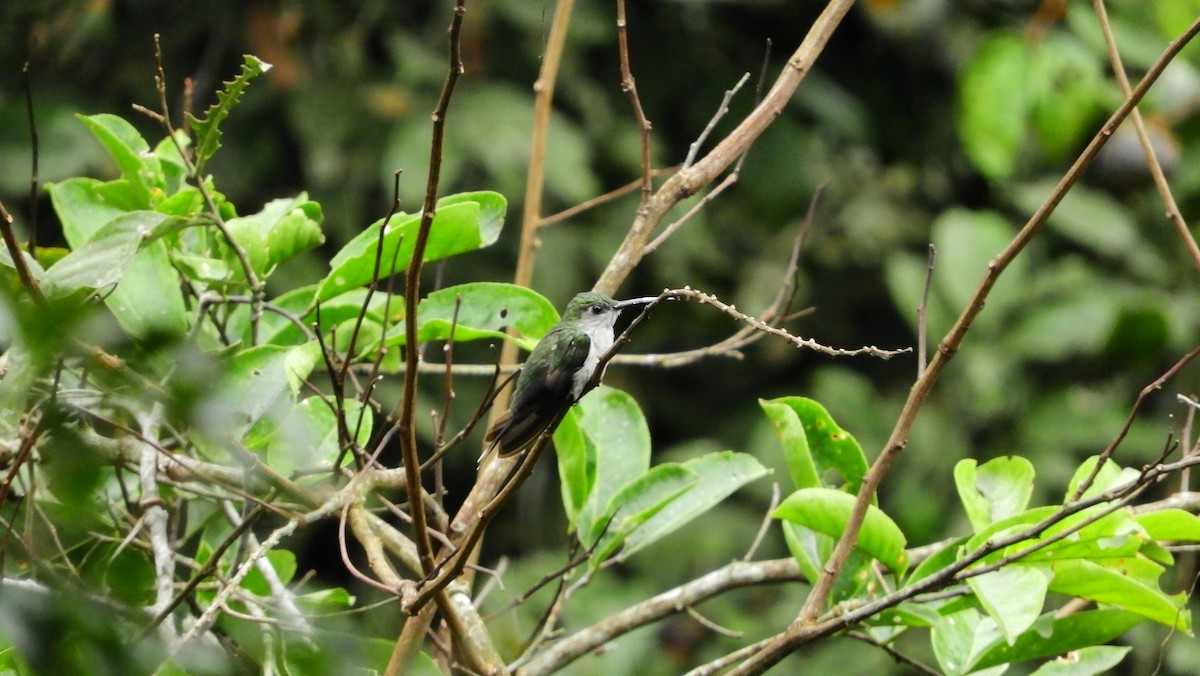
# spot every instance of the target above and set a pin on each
(596, 309)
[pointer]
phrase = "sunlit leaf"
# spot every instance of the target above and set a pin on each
(1013, 596)
(993, 106)
(818, 452)
(827, 511)
(998, 489)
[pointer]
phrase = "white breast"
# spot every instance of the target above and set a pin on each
(600, 330)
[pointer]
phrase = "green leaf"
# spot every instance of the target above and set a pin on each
(943, 557)
(812, 549)
(637, 502)
(82, 208)
(102, 261)
(1013, 596)
(139, 167)
(259, 380)
(207, 130)
(814, 446)
(308, 437)
(614, 424)
(826, 511)
(485, 311)
(1171, 524)
(999, 489)
(794, 443)
(1058, 636)
(462, 223)
(294, 232)
(1096, 659)
(576, 465)
(148, 298)
(1110, 476)
(717, 476)
(1122, 589)
(993, 106)
(1093, 219)
(960, 639)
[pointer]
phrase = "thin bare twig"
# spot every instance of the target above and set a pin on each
(18, 257)
(1133, 413)
(759, 325)
(602, 199)
(722, 110)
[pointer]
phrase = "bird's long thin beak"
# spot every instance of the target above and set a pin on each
(645, 300)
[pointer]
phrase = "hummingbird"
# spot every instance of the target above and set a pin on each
(558, 371)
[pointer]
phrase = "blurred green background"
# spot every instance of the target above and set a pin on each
(931, 120)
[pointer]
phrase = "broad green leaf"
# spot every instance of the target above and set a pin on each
(248, 236)
(909, 614)
(576, 465)
(812, 549)
(259, 380)
(640, 500)
(993, 106)
(960, 639)
(794, 443)
(943, 557)
(148, 298)
(805, 546)
(826, 511)
(1122, 589)
(296, 231)
(1013, 524)
(103, 260)
(81, 208)
(462, 223)
(207, 130)
(825, 448)
(1013, 596)
(308, 438)
(1171, 525)
(998, 489)
(1052, 636)
(1110, 476)
(485, 311)
(1088, 661)
(616, 427)
(717, 476)
(139, 167)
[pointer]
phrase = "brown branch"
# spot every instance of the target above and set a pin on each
(18, 258)
(731, 576)
(688, 182)
(412, 292)
(629, 86)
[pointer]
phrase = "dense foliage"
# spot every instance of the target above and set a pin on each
(205, 463)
